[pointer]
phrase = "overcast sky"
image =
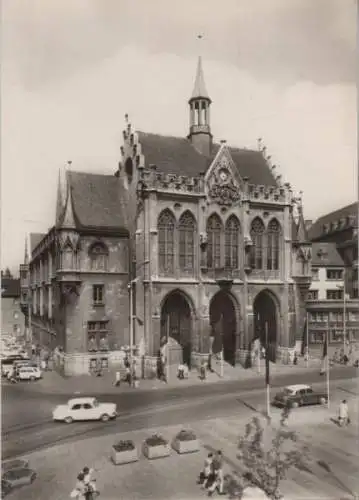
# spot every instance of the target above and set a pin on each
(283, 70)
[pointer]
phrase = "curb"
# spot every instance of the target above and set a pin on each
(168, 386)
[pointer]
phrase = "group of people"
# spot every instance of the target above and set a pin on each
(131, 375)
(211, 477)
(85, 488)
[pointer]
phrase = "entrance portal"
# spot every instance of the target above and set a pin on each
(223, 323)
(176, 327)
(265, 317)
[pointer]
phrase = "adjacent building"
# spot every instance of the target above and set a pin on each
(329, 306)
(202, 239)
(12, 319)
(341, 227)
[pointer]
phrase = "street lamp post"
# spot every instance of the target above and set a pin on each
(130, 288)
(343, 287)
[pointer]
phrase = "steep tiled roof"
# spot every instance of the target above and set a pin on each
(177, 155)
(35, 239)
(317, 230)
(98, 200)
(10, 287)
(326, 254)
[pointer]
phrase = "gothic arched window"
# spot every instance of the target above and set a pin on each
(166, 237)
(67, 257)
(99, 257)
(257, 232)
(187, 233)
(273, 234)
(214, 232)
(232, 242)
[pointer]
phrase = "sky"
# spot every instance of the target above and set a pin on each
(281, 70)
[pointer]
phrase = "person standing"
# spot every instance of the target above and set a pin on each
(343, 413)
(218, 482)
(117, 379)
(206, 471)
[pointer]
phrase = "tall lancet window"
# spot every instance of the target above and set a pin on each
(273, 235)
(67, 257)
(257, 234)
(232, 242)
(214, 234)
(187, 234)
(166, 237)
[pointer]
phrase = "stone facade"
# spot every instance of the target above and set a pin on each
(211, 243)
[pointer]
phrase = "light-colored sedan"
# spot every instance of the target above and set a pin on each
(29, 373)
(81, 409)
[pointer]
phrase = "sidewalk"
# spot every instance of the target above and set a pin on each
(174, 477)
(56, 384)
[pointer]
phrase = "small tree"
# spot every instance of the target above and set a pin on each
(268, 465)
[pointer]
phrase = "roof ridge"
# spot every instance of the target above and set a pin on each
(70, 172)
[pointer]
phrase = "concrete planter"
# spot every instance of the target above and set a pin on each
(185, 446)
(158, 451)
(120, 457)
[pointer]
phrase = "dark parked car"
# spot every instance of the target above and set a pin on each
(299, 395)
(19, 477)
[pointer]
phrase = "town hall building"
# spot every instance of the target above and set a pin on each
(202, 240)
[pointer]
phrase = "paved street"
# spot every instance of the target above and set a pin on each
(39, 403)
(174, 477)
(139, 411)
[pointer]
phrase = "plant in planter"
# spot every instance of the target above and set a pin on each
(185, 442)
(124, 452)
(156, 446)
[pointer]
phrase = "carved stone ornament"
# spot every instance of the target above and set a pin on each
(248, 243)
(203, 240)
(222, 188)
(224, 194)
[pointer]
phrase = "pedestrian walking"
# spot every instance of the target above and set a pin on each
(117, 379)
(295, 359)
(90, 483)
(203, 371)
(343, 414)
(218, 476)
(79, 491)
(180, 371)
(206, 471)
(209, 364)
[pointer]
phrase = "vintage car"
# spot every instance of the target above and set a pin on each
(299, 395)
(29, 373)
(18, 477)
(82, 409)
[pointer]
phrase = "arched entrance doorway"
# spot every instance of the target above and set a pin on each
(176, 327)
(265, 317)
(223, 322)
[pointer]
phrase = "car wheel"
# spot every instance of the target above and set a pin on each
(33, 477)
(105, 417)
(68, 420)
(322, 401)
(295, 404)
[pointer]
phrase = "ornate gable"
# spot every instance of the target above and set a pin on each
(223, 183)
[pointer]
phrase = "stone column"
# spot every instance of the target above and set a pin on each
(49, 304)
(243, 355)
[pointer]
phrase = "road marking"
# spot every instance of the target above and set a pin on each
(348, 391)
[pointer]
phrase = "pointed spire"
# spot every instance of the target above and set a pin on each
(199, 89)
(26, 256)
(302, 232)
(61, 193)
